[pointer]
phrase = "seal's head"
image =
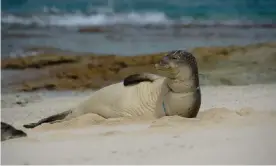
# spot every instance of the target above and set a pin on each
(172, 63)
(180, 67)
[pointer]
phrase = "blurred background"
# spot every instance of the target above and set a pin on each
(62, 42)
(133, 27)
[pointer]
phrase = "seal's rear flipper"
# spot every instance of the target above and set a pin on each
(137, 78)
(9, 132)
(50, 119)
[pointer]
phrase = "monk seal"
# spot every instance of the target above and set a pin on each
(177, 92)
(9, 132)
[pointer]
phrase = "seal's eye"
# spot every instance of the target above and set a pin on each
(174, 58)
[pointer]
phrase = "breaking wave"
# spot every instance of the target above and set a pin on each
(133, 12)
(88, 20)
(101, 19)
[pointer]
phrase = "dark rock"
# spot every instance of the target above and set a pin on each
(92, 30)
(9, 132)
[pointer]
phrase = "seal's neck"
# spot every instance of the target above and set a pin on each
(183, 80)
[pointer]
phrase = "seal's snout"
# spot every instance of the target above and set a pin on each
(164, 61)
(163, 64)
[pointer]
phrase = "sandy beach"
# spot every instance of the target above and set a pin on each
(55, 54)
(236, 125)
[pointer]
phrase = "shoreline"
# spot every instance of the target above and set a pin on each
(54, 69)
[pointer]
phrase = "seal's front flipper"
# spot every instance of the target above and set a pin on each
(137, 78)
(9, 132)
(50, 119)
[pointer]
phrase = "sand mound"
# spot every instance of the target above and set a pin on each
(214, 116)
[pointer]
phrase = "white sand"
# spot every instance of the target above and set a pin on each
(236, 125)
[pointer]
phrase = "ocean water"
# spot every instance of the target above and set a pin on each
(138, 26)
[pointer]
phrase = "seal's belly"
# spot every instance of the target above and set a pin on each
(117, 100)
